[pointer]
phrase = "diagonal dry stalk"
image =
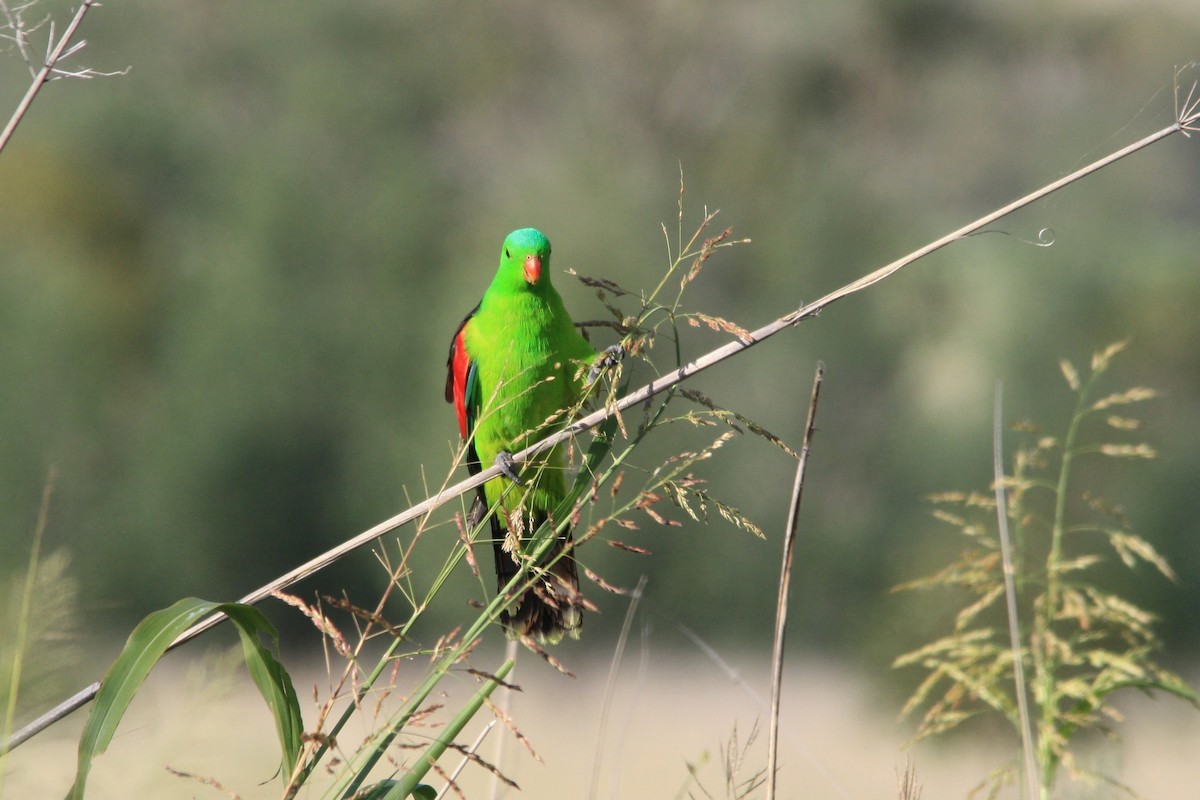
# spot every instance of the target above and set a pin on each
(1187, 122)
(789, 547)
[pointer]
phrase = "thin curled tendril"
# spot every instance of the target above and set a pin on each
(1045, 236)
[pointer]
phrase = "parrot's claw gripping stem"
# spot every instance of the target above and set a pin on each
(508, 467)
(611, 356)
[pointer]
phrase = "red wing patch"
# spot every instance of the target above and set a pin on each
(458, 367)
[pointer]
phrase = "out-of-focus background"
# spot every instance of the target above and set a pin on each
(229, 277)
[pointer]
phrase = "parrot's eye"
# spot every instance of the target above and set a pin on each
(506, 253)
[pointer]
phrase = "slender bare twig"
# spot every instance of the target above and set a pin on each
(610, 684)
(56, 53)
(466, 759)
(785, 579)
(1010, 596)
(511, 649)
(1186, 123)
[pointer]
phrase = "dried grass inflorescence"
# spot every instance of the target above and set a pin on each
(1081, 643)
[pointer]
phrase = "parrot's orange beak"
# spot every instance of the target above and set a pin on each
(533, 269)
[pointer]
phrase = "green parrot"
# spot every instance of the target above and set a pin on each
(514, 362)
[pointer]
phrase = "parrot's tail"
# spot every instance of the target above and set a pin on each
(553, 605)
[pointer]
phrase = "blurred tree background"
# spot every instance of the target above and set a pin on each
(228, 278)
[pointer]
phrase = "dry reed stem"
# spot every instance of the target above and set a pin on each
(785, 577)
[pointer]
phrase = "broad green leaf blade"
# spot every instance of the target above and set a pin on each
(271, 678)
(149, 640)
(147, 644)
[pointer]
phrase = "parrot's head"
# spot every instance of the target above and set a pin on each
(526, 257)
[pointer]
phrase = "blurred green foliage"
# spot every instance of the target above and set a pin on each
(228, 279)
